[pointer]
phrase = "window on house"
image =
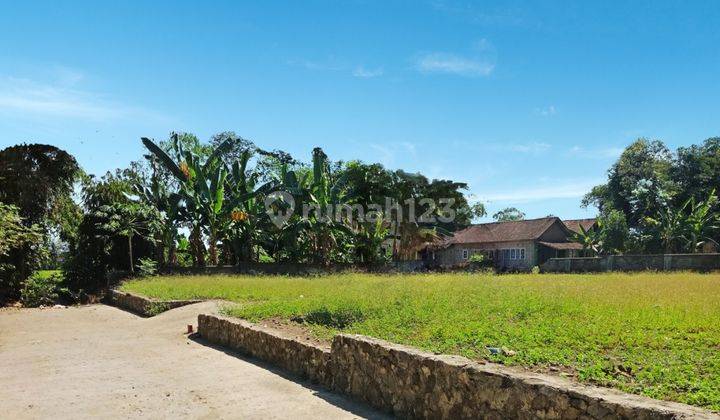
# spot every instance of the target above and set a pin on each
(512, 254)
(465, 254)
(522, 253)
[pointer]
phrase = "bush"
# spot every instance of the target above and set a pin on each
(535, 270)
(147, 267)
(40, 289)
(477, 258)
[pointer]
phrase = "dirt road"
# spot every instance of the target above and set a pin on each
(99, 361)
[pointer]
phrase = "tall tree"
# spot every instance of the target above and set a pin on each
(509, 214)
(638, 183)
(696, 170)
(33, 177)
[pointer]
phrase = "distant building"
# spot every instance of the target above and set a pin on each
(518, 245)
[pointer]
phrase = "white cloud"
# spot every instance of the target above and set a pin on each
(600, 153)
(559, 189)
(547, 111)
(333, 64)
(28, 98)
(364, 73)
(440, 62)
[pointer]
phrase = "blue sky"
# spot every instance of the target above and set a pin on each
(528, 102)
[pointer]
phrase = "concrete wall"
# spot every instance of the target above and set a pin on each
(699, 262)
(410, 383)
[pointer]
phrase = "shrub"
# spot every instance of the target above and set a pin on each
(535, 270)
(40, 289)
(147, 267)
(477, 258)
(156, 308)
(339, 318)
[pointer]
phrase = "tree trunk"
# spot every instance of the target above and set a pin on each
(172, 256)
(130, 253)
(212, 249)
(197, 247)
(160, 250)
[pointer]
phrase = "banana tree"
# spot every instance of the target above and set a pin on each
(369, 238)
(702, 223)
(202, 188)
(158, 195)
(324, 226)
(316, 233)
(670, 226)
(589, 239)
(248, 218)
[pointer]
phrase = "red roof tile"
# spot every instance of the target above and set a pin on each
(574, 225)
(562, 245)
(522, 230)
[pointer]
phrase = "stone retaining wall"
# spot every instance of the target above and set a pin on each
(302, 359)
(145, 306)
(410, 383)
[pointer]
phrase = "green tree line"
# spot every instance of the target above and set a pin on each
(658, 201)
(193, 203)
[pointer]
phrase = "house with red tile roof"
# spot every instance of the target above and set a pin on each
(513, 245)
(575, 224)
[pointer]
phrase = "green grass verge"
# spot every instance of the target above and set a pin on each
(656, 334)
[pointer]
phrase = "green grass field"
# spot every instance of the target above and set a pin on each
(650, 333)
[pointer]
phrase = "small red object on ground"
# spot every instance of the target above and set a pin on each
(190, 329)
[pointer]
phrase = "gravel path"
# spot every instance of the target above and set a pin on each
(99, 361)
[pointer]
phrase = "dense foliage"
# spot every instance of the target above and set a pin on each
(36, 182)
(220, 195)
(657, 201)
(111, 231)
(18, 244)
